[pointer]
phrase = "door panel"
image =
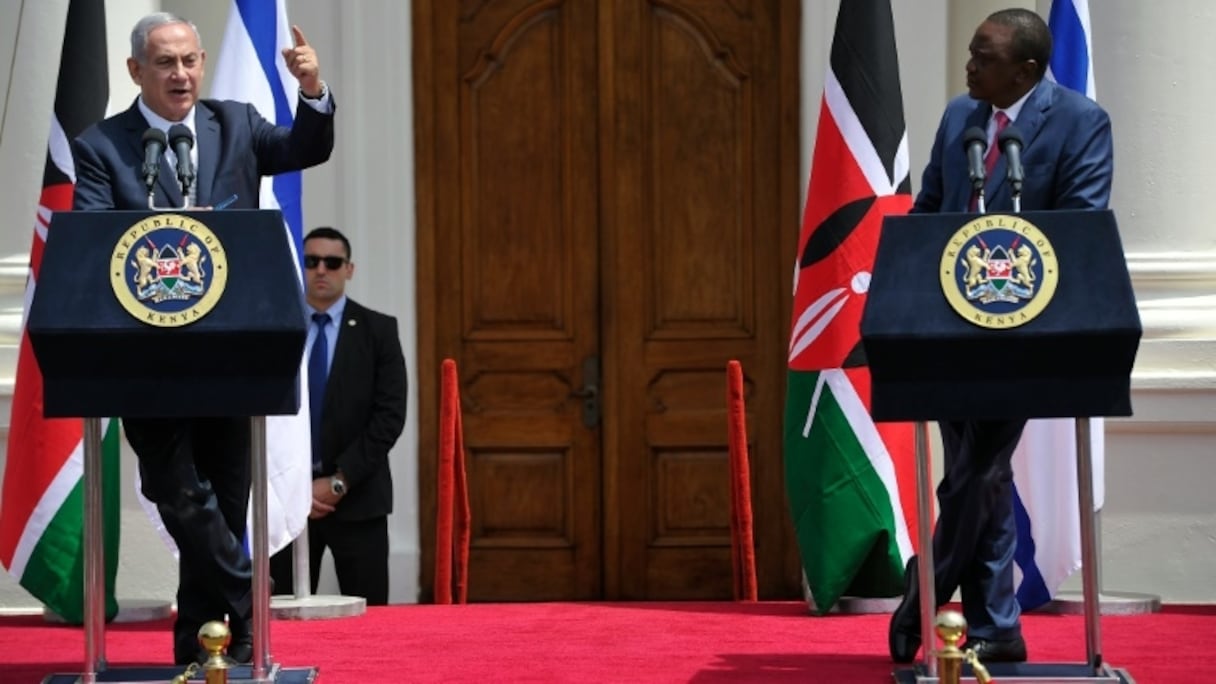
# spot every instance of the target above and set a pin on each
(607, 200)
(518, 292)
(695, 183)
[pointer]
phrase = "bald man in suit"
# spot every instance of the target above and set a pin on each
(1068, 163)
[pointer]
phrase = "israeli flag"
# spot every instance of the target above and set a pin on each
(1072, 62)
(1045, 462)
(250, 69)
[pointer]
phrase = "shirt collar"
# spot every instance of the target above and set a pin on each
(1014, 109)
(157, 121)
(335, 312)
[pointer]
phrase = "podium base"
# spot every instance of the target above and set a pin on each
(316, 607)
(1109, 603)
(1025, 673)
(242, 674)
(129, 610)
(853, 605)
(1065, 603)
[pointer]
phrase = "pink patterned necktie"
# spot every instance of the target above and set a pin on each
(994, 147)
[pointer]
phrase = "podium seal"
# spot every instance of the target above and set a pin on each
(168, 270)
(999, 271)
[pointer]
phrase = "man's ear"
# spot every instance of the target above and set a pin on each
(1030, 70)
(133, 68)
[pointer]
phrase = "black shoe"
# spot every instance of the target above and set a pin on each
(186, 648)
(241, 652)
(903, 635)
(186, 657)
(998, 650)
(240, 645)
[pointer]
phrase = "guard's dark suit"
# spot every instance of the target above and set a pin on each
(361, 418)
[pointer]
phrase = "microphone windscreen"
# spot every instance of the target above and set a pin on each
(1010, 134)
(974, 135)
(179, 133)
(155, 134)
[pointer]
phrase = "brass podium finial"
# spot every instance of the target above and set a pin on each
(213, 637)
(950, 627)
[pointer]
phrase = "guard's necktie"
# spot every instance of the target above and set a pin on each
(994, 146)
(318, 373)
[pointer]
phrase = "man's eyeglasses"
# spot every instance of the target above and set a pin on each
(332, 263)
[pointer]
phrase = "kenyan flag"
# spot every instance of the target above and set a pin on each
(42, 503)
(851, 483)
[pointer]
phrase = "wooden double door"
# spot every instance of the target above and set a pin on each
(608, 210)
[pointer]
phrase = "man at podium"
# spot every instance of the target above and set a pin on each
(1066, 154)
(197, 471)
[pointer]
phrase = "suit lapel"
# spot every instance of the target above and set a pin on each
(959, 194)
(350, 331)
(1034, 114)
(1029, 124)
(207, 138)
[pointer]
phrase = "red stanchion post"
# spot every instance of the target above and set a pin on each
(449, 417)
(743, 553)
(461, 504)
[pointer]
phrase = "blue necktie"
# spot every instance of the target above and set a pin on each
(318, 373)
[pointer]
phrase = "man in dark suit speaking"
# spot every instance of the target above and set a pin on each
(357, 391)
(196, 471)
(1068, 164)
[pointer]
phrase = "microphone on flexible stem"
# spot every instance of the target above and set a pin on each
(154, 142)
(182, 140)
(1011, 143)
(976, 143)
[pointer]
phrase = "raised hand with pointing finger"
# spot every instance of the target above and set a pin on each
(302, 62)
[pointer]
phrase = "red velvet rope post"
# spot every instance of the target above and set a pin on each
(463, 521)
(743, 553)
(449, 420)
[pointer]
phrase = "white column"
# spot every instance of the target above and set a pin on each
(1153, 73)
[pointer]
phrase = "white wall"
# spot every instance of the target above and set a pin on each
(1159, 525)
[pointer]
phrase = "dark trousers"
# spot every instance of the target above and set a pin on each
(196, 471)
(976, 534)
(360, 551)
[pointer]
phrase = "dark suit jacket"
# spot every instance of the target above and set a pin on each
(364, 410)
(236, 148)
(1067, 158)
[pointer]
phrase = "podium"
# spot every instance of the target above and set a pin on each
(168, 314)
(1003, 317)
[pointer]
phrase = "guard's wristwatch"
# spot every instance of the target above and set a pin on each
(337, 485)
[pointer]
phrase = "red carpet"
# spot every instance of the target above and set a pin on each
(702, 642)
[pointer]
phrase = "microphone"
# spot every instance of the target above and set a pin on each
(1011, 143)
(976, 143)
(182, 141)
(154, 142)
